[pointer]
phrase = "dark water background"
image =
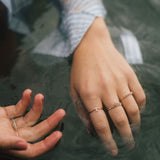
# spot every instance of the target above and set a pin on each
(50, 76)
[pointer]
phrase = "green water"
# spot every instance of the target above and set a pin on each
(50, 76)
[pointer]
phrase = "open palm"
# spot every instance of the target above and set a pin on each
(17, 131)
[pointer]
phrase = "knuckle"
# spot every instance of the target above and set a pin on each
(106, 83)
(100, 128)
(120, 121)
(87, 92)
(129, 72)
(134, 111)
(119, 77)
(142, 100)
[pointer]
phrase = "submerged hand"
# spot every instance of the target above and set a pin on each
(101, 76)
(16, 131)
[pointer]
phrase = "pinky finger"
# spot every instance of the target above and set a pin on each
(36, 149)
(82, 112)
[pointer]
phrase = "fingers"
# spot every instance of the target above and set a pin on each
(81, 110)
(20, 108)
(138, 92)
(33, 115)
(43, 128)
(34, 150)
(100, 123)
(12, 142)
(130, 107)
(119, 118)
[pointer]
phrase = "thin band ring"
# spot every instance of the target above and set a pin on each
(118, 104)
(14, 124)
(126, 95)
(95, 109)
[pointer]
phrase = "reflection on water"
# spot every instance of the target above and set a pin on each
(50, 75)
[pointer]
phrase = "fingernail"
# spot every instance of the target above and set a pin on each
(114, 152)
(21, 145)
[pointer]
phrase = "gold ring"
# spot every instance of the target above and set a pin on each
(95, 109)
(114, 106)
(126, 95)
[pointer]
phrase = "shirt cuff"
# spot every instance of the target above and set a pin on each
(77, 17)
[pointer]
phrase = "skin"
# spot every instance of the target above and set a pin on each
(101, 76)
(17, 142)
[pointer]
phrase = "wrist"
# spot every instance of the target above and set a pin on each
(97, 35)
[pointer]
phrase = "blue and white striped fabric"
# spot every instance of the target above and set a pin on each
(15, 19)
(131, 46)
(77, 16)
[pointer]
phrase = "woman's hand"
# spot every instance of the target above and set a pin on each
(17, 131)
(101, 76)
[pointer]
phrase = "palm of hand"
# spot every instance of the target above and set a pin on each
(16, 130)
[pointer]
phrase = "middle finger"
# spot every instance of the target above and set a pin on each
(119, 118)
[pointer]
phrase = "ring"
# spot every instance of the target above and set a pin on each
(14, 124)
(114, 106)
(126, 95)
(95, 109)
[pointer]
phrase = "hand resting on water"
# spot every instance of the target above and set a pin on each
(100, 76)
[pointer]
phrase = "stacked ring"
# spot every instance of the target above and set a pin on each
(126, 95)
(118, 104)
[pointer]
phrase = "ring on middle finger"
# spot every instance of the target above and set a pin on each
(115, 105)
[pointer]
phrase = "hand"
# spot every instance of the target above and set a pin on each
(16, 131)
(101, 76)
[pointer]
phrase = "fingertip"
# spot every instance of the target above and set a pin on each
(27, 92)
(58, 134)
(114, 152)
(21, 145)
(111, 148)
(53, 138)
(39, 96)
(62, 112)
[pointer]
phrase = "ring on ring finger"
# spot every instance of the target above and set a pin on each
(115, 105)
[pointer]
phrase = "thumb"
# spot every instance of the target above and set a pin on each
(12, 142)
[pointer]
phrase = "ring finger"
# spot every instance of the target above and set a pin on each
(119, 118)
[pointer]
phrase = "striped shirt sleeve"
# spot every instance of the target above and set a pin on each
(77, 17)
